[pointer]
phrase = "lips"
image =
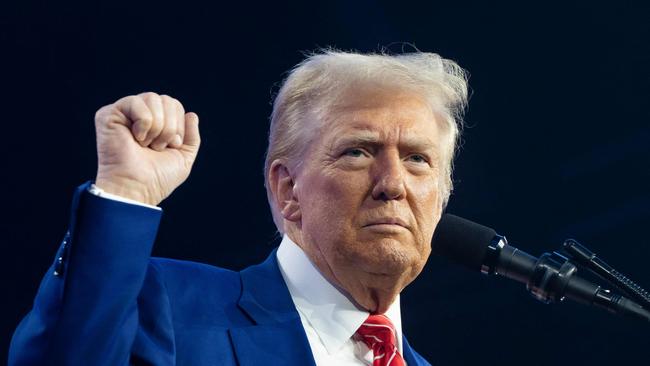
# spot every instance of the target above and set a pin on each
(387, 221)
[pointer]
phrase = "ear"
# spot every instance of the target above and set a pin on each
(282, 185)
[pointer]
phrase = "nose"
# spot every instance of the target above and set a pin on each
(389, 178)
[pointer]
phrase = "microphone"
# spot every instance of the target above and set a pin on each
(549, 278)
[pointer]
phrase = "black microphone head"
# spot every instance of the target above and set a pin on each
(462, 241)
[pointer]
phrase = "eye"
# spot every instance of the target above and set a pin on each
(416, 158)
(355, 153)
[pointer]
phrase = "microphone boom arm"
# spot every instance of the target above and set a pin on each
(550, 278)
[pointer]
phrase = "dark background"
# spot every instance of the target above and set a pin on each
(556, 145)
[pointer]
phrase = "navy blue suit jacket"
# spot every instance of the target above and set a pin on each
(105, 301)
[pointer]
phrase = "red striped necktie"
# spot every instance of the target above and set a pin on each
(379, 334)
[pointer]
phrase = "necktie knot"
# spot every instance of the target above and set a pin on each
(379, 334)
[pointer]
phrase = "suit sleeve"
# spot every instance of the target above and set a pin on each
(86, 308)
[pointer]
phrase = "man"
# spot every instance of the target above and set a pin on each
(357, 172)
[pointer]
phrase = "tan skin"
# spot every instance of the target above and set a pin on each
(366, 199)
(146, 146)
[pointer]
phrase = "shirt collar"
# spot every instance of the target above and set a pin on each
(332, 315)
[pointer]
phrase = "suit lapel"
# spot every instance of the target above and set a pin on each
(277, 336)
(283, 344)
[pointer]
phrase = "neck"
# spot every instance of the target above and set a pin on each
(374, 293)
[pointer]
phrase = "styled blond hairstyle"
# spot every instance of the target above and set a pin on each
(315, 85)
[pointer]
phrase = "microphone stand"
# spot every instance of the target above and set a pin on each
(587, 259)
(552, 277)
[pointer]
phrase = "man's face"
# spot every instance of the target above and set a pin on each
(369, 191)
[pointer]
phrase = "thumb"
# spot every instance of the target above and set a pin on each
(192, 137)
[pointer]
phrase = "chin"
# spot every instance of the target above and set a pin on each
(389, 257)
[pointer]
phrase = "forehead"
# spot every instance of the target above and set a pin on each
(382, 114)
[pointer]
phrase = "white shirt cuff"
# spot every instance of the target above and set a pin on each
(101, 193)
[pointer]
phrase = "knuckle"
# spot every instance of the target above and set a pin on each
(157, 116)
(144, 117)
(145, 122)
(178, 104)
(153, 102)
(148, 95)
(167, 132)
(152, 135)
(107, 113)
(172, 101)
(101, 112)
(156, 127)
(129, 99)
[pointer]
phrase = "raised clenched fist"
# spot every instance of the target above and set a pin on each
(146, 145)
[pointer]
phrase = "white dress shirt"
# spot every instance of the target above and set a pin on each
(330, 319)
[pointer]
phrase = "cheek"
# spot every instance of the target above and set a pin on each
(328, 201)
(329, 211)
(427, 206)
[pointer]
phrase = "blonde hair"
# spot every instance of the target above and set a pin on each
(315, 84)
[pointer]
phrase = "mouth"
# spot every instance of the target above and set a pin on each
(387, 221)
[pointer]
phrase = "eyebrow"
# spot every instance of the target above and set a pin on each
(366, 137)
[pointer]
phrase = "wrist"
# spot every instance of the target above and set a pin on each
(125, 188)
